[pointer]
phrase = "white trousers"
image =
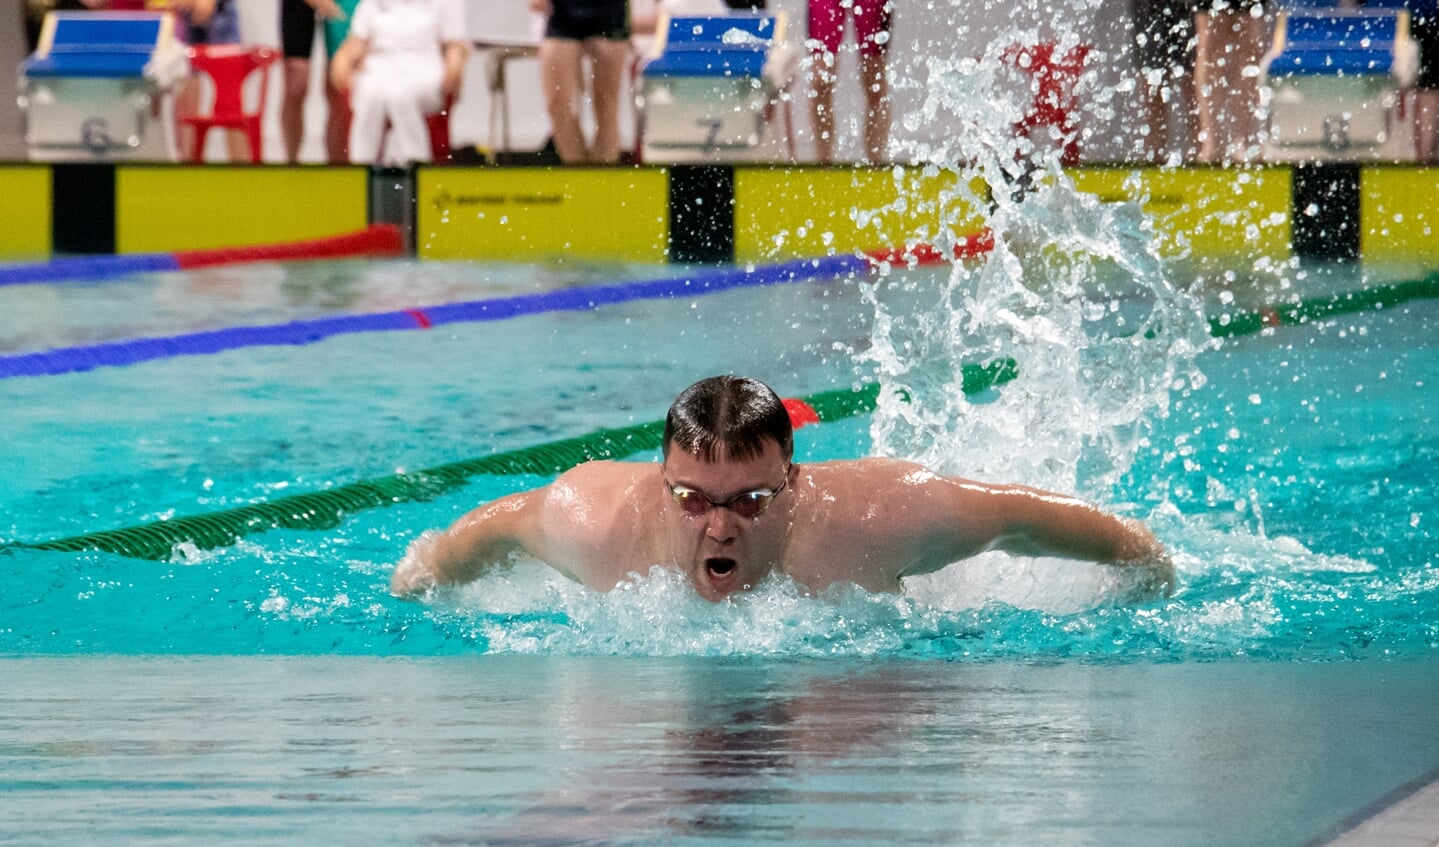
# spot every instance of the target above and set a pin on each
(397, 91)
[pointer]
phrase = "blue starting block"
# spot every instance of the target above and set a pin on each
(1334, 77)
(715, 88)
(93, 87)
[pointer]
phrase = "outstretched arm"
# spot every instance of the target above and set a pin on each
(1027, 521)
(479, 540)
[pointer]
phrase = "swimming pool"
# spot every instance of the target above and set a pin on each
(272, 691)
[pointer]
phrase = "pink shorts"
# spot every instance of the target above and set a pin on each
(871, 18)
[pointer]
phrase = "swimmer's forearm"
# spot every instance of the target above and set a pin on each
(1049, 524)
(436, 559)
(483, 538)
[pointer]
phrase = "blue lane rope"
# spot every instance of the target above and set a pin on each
(133, 351)
(87, 268)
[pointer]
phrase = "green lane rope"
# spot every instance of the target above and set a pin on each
(1316, 308)
(327, 508)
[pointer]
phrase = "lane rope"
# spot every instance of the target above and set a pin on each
(377, 240)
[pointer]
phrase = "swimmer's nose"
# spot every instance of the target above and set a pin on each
(721, 524)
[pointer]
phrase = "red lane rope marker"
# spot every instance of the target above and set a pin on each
(968, 247)
(422, 320)
(800, 412)
(376, 240)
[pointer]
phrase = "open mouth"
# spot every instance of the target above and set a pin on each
(719, 567)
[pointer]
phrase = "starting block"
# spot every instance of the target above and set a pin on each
(714, 90)
(94, 86)
(1335, 77)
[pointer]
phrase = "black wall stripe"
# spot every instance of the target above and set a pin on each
(701, 213)
(82, 218)
(1326, 211)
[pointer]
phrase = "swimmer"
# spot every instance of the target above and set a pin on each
(728, 506)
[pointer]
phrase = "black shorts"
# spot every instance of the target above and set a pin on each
(577, 20)
(297, 29)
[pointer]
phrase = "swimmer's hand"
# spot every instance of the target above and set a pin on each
(1148, 568)
(413, 576)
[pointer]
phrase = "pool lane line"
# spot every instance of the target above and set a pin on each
(377, 240)
(134, 351)
(327, 508)
(1247, 322)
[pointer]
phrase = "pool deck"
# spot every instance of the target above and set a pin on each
(1407, 817)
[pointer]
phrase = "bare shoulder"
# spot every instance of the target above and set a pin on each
(588, 518)
(877, 486)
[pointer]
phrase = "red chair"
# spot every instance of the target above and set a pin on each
(1054, 102)
(229, 66)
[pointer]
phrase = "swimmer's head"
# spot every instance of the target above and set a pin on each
(728, 418)
(728, 445)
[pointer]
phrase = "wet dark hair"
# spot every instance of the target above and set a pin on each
(730, 417)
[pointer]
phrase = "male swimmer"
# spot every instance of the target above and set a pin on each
(727, 506)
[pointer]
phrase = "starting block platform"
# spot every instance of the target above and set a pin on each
(1335, 77)
(717, 90)
(95, 85)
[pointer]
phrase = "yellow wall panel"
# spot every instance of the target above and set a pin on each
(1207, 212)
(1399, 213)
(161, 209)
(785, 213)
(25, 212)
(591, 214)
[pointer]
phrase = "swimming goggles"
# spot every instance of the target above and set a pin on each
(750, 504)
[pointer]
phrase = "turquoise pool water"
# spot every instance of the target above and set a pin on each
(273, 691)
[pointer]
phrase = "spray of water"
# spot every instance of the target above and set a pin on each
(1074, 291)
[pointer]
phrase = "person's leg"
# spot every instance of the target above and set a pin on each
(411, 92)
(237, 146)
(297, 41)
(826, 30)
(337, 126)
(874, 76)
(1426, 125)
(1241, 98)
(367, 119)
(1228, 42)
(1206, 43)
(821, 99)
(559, 74)
(872, 30)
(610, 60)
(292, 106)
(187, 103)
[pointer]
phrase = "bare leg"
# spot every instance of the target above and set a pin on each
(874, 76)
(337, 127)
(1426, 125)
(611, 61)
(292, 106)
(559, 75)
(821, 98)
(187, 102)
(237, 146)
(1229, 42)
